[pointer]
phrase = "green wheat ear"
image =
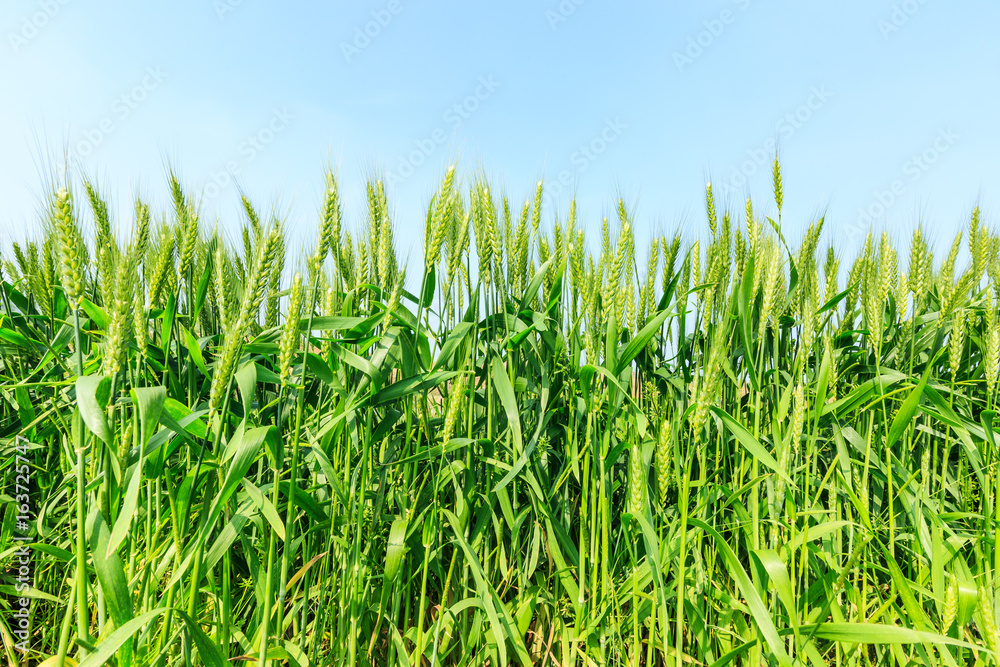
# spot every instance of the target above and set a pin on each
(140, 325)
(70, 249)
(710, 207)
(950, 610)
(121, 321)
(456, 397)
(536, 210)
(779, 193)
(991, 363)
(989, 629)
(274, 284)
(831, 269)
(771, 288)
(232, 342)
(104, 237)
(329, 230)
(663, 459)
(290, 332)
(978, 245)
(956, 342)
(221, 284)
(162, 256)
(637, 482)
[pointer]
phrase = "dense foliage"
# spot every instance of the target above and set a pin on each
(730, 452)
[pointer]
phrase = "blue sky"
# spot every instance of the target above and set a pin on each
(876, 107)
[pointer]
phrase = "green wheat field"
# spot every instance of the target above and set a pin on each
(523, 448)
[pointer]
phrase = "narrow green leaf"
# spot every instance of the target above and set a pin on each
(87, 389)
(751, 443)
(191, 343)
(758, 610)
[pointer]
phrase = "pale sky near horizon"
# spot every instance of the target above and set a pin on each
(881, 108)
